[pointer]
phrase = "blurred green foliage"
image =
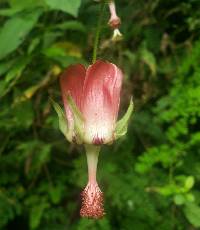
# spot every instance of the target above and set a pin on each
(150, 178)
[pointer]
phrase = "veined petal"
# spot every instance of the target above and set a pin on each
(101, 98)
(71, 82)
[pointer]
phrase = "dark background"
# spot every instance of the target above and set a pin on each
(151, 177)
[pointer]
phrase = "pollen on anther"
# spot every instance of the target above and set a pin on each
(92, 208)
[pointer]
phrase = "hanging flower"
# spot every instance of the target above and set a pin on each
(114, 20)
(91, 99)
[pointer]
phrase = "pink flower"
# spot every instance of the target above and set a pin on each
(91, 99)
(96, 93)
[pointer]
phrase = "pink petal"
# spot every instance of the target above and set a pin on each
(100, 106)
(72, 81)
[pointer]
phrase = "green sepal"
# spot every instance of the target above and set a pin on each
(122, 124)
(78, 119)
(63, 125)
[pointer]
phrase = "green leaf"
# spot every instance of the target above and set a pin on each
(43, 156)
(15, 30)
(25, 108)
(62, 121)
(8, 11)
(6, 65)
(179, 199)
(36, 214)
(25, 4)
(17, 68)
(14, 74)
(189, 182)
(63, 50)
(71, 25)
(149, 58)
(122, 124)
(131, 56)
(34, 43)
(55, 193)
(70, 7)
(192, 212)
(78, 119)
(190, 197)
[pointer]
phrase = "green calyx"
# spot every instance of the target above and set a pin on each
(63, 124)
(122, 124)
(78, 120)
(76, 130)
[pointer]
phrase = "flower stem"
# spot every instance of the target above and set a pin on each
(98, 30)
(92, 153)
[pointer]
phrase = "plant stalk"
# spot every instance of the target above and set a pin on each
(98, 31)
(92, 153)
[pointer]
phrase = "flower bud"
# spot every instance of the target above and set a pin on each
(114, 21)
